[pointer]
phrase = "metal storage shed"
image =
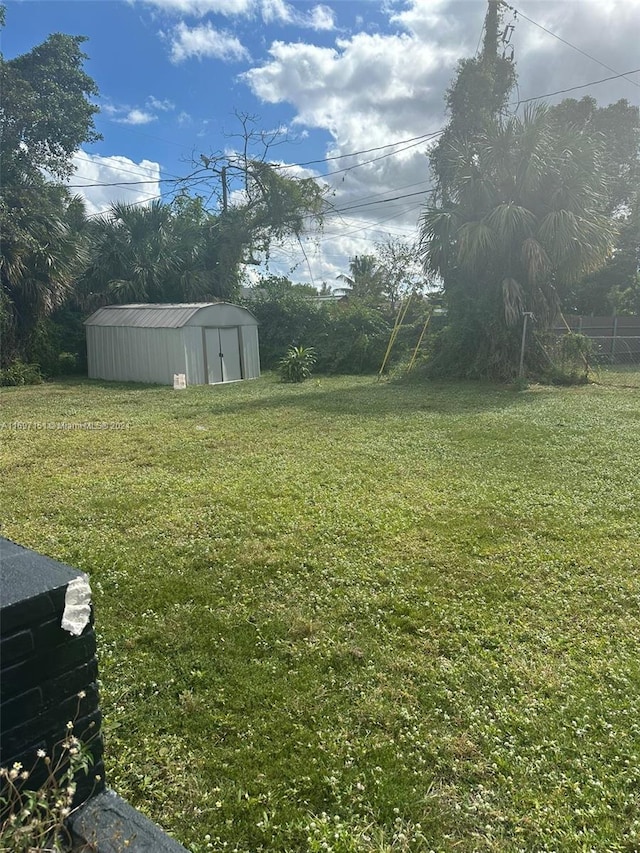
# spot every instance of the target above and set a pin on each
(209, 342)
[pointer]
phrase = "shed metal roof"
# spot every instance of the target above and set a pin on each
(150, 316)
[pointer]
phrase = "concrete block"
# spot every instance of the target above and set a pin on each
(108, 824)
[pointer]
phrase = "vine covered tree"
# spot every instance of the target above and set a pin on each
(519, 213)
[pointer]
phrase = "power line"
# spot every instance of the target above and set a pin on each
(564, 41)
(573, 88)
(124, 184)
(415, 140)
(381, 201)
(423, 137)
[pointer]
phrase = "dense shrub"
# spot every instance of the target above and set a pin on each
(58, 344)
(20, 373)
(354, 338)
(286, 319)
(347, 337)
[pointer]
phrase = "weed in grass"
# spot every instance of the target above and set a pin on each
(34, 819)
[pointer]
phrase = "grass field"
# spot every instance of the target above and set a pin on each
(351, 617)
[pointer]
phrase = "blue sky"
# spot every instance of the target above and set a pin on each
(339, 77)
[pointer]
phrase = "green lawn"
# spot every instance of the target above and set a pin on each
(348, 616)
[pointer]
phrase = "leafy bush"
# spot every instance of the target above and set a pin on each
(566, 358)
(286, 316)
(67, 363)
(58, 343)
(19, 373)
(354, 339)
(297, 363)
(349, 337)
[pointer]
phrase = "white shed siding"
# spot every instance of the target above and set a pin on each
(151, 343)
(220, 314)
(250, 352)
(135, 355)
(194, 350)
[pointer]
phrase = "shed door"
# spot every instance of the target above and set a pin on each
(222, 348)
(230, 354)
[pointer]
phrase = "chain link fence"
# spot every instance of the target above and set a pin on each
(611, 355)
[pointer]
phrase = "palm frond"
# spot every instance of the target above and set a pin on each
(535, 260)
(475, 242)
(511, 221)
(437, 238)
(513, 300)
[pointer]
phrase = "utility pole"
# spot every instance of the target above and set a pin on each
(527, 315)
(491, 24)
(223, 178)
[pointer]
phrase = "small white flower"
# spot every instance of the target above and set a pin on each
(41, 753)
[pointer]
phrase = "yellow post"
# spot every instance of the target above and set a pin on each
(394, 333)
(422, 334)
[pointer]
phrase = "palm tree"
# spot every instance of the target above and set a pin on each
(131, 255)
(364, 281)
(162, 253)
(523, 217)
(41, 254)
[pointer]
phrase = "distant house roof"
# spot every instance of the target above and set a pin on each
(151, 316)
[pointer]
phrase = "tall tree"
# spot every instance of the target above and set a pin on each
(519, 212)
(616, 129)
(525, 216)
(45, 115)
(261, 199)
(162, 253)
(478, 94)
(400, 270)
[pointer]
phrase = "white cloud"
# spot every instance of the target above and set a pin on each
(125, 114)
(205, 41)
(367, 90)
(200, 8)
(92, 169)
(279, 11)
(545, 64)
(136, 116)
(276, 10)
(320, 17)
(165, 106)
